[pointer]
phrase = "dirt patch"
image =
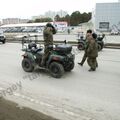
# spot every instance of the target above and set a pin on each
(11, 111)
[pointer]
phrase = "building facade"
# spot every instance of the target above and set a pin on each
(14, 21)
(107, 15)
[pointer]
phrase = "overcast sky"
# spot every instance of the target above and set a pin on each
(28, 8)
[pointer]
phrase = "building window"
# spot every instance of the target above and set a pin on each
(104, 25)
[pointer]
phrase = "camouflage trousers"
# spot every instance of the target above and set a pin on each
(46, 55)
(84, 59)
(92, 62)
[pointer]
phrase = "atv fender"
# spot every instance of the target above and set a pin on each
(56, 58)
(30, 56)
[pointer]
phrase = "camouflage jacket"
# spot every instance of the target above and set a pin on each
(48, 36)
(92, 49)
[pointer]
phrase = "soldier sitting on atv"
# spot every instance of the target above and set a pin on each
(48, 32)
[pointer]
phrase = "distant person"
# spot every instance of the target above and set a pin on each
(68, 31)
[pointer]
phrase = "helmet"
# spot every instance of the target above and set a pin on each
(49, 25)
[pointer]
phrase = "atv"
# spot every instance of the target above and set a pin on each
(82, 42)
(59, 60)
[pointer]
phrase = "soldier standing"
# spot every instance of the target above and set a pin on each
(48, 32)
(92, 52)
(89, 32)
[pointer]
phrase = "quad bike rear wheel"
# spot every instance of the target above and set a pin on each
(56, 69)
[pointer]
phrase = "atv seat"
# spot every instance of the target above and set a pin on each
(63, 49)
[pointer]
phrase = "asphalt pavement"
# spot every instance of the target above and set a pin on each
(78, 95)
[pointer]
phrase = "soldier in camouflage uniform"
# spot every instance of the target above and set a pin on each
(48, 32)
(89, 32)
(92, 52)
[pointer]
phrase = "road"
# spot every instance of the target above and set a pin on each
(78, 95)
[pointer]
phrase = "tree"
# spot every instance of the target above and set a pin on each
(89, 15)
(43, 20)
(67, 19)
(30, 21)
(86, 17)
(57, 18)
(75, 18)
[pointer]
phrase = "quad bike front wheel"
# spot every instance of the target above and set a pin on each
(56, 69)
(70, 67)
(27, 65)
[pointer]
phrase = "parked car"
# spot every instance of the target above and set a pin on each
(2, 37)
(114, 32)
